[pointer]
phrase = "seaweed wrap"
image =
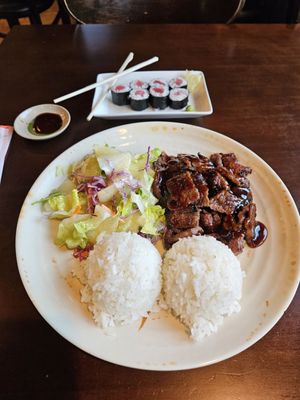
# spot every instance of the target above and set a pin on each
(139, 99)
(159, 97)
(119, 94)
(178, 98)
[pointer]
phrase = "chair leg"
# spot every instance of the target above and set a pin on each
(35, 18)
(56, 19)
(12, 21)
(62, 13)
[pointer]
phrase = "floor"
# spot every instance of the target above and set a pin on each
(47, 18)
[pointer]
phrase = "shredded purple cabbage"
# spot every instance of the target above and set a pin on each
(147, 165)
(91, 186)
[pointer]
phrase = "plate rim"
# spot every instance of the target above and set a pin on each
(267, 327)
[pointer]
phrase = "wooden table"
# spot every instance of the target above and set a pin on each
(154, 11)
(253, 74)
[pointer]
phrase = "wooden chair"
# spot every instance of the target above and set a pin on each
(13, 10)
(154, 11)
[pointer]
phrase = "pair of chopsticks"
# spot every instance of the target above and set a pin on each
(122, 72)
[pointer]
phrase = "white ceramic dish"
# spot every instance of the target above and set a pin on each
(199, 99)
(23, 120)
(272, 270)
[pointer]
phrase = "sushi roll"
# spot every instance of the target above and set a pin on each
(158, 82)
(138, 84)
(178, 98)
(159, 97)
(139, 99)
(178, 83)
(119, 94)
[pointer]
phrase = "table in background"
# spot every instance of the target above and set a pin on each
(253, 75)
(192, 11)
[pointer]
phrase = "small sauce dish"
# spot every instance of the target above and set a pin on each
(54, 119)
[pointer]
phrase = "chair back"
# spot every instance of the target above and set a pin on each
(13, 10)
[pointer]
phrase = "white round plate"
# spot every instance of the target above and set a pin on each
(272, 270)
(23, 120)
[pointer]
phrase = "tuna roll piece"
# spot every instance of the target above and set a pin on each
(159, 97)
(119, 94)
(138, 84)
(178, 83)
(139, 99)
(158, 82)
(178, 98)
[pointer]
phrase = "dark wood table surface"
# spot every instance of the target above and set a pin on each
(253, 75)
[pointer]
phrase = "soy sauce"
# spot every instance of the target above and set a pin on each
(47, 123)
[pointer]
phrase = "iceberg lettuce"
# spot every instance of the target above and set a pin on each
(111, 160)
(122, 198)
(154, 220)
(140, 163)
(60, 205)
(73, 231)
(81, 230)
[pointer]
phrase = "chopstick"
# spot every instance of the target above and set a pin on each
(112, 78)
(122, 68)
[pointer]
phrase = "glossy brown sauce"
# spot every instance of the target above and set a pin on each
(47, 123)
(241, 192)
(260, 235)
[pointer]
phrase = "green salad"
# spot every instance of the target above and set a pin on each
(107, 191)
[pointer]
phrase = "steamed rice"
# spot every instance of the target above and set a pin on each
(122, 279)
(202, 283)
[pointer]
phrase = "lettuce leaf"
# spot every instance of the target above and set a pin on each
(112, 160)
(60, 205)
(73, 231)
(81, 230)
(154, 220)
(140, 162)
(130, 203)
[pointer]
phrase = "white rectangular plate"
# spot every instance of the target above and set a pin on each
(199, 99)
